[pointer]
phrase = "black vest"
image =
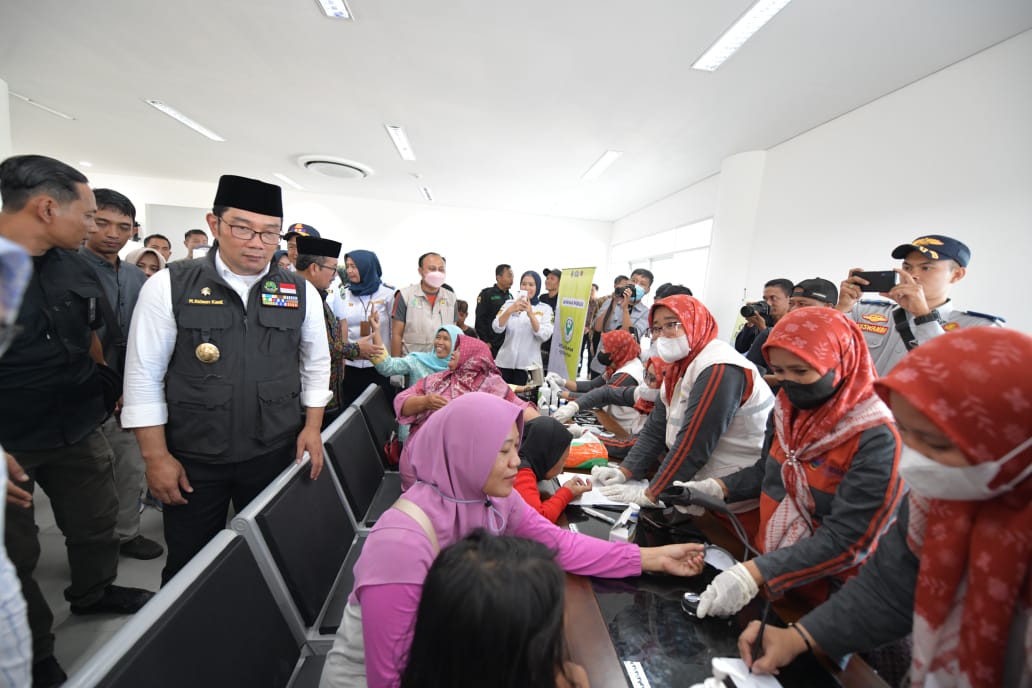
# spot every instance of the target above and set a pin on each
(248, 402)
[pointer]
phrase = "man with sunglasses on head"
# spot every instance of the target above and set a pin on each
(226, 355)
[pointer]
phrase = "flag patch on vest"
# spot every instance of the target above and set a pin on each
(280, 300)
(287, 288)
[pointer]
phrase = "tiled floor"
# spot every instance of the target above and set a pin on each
(78, 637)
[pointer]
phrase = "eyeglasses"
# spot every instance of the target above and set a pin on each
(327, 267)
(246, 234)
(669, 328)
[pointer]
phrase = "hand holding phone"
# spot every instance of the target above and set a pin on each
(877, 280)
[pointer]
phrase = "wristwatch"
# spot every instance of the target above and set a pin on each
(930, 316)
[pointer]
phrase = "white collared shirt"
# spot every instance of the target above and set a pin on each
(152, 337)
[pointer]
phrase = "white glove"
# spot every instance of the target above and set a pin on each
(576, 430)
(631, 494)
(728, 593)
(605, 475)
(708, 487)
(567, 412)
(556, 379)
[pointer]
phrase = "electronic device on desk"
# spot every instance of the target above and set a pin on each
(683, 496)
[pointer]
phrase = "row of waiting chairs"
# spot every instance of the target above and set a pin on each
(260, 604)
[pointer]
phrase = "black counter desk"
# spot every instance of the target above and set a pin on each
(640, 621)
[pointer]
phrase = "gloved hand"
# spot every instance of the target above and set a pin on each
(728, 593)
(606, 475)
(631, 494)
(567, 412)
(555, 378)
(709, 487)
(576, 430)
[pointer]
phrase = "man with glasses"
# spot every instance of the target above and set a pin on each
(226, 355)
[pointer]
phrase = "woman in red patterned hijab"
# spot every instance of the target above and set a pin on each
(621, 347)
(697, 326)
(961, 551)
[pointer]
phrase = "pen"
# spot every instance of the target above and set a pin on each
(599, 515)
(757, 648)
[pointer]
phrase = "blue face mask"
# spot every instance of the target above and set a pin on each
(639, 292)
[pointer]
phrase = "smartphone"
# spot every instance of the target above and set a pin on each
(521, 295)
(880, 280)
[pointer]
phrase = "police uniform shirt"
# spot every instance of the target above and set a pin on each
(886, 345)
(152, 339)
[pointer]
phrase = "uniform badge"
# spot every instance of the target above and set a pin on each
(874, 317)
(205, 291)
(950, 326)
(207, 352)
(280, 300)
(269, 287)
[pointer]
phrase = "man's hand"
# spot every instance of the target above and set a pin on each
(434, 402)
(310, 440)
(165, 478)
(780, 646)
(908, 294)
(15, 473)
(850, 292)
(685, 559)
(367, 349)
(756, 320)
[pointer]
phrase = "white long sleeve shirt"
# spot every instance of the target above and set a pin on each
(152, 337)
(522, 345)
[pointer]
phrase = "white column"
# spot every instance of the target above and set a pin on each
(734, 226)
(5, 122)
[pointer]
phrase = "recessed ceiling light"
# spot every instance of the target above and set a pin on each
(741, 31)
(335, 9)
(332, 166)
(607, 159)
(183, 119)
(41, 106)
(397, 135)
(426, 193)
(288, 181)
(83, 163)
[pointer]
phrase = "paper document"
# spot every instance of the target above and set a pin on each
(593, 497)
(735, 669)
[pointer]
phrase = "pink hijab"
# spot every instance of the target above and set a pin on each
(451, 458)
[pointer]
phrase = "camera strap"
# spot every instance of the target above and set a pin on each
(903, 327)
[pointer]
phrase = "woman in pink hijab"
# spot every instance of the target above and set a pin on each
(465, 462)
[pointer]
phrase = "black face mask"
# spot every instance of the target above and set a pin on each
(604, 358)
(813, 394)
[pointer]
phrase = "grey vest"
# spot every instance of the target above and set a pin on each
(248, 402)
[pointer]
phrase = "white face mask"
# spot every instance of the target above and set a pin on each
(930, 478)
(643, 391)
(672, 349)
(434, 279)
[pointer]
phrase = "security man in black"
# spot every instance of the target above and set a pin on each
(223, 351)
(489, 302)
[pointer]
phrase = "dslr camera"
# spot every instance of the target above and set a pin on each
(627, 290)
(751, 309)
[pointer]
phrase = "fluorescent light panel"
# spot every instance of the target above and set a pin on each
(335, 9)
(288, 181)
(183, 119)
(41, 106)
(740, 32)
(607, 159)
(401, 142)
(85, 163)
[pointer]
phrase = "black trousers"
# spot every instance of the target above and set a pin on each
(514, 376)
(189, 527)
(80, 482)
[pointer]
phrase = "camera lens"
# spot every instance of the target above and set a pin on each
(747, 311)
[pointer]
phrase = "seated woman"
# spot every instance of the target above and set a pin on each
(827, 482)
(543, 452)
(955, 568)
(619, 353)
(484, 596)
(640, 399)
(465, 462)
(711, 412)
(526, 322)
(419, 364)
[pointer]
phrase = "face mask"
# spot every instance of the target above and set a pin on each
(604, 358)
(811, 394)
(932, 479)
(672, 349)
(639, 293)
(434, 279)
(646, 393)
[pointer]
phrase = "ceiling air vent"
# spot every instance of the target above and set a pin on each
(338, 168)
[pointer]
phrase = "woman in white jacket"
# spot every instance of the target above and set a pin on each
(526, 322)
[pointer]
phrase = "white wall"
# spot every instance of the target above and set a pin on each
(950, 154)
(473, 241)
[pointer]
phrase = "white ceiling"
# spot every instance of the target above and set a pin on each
(505, 104)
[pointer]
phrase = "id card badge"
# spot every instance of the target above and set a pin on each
(364, 328)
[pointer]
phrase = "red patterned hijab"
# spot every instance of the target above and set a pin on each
(621, 347)
(475, 372)
(975, 385)
(698, 326)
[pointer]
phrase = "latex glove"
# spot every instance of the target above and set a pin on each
(631, 494)
(567, 412)
(606, 475)
(555, 378)
(728, 593)
(709, 487)
(576, 430)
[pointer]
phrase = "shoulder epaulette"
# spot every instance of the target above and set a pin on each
(389, 286)
(875, 302)
(987, 316)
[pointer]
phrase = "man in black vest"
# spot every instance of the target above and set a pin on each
(224, 352)
(489, 302)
